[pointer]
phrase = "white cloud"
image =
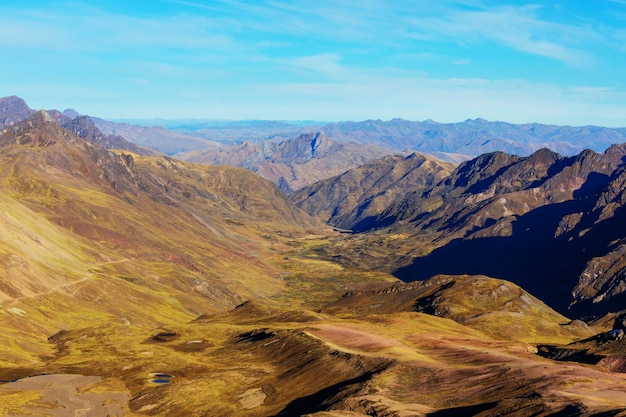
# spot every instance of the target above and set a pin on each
(91, 31)
(515, 27)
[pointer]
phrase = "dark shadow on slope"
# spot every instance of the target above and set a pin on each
(531, 257)
(554, 169)
(611, 413)
(325, 398)
(519, 406)
(470, 410)
(559, 353)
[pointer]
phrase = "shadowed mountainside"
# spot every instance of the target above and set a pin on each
(549, 223)
(353, 199)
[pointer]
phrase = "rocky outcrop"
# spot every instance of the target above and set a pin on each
(84, 127)
(294, 163)
(352, 199)
(12, 110)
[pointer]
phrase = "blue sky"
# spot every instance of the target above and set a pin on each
(550, 62)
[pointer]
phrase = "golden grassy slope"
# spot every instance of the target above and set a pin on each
(258, 360)
(495, 307)
(90, 236)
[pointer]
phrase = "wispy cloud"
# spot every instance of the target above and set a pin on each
(518, 28)
(90, 30)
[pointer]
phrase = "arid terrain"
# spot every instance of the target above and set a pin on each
(136, 284)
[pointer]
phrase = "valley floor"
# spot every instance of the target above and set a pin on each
(311, 351)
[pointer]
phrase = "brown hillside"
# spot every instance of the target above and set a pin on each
(352, 199)
(110, 234)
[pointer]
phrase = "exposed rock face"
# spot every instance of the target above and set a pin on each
(84, 127)
(293, 163)
(352, 199)
(552, 224)
(12, 110)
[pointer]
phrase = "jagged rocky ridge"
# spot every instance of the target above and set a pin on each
(14, 109)
(293, 163)
(552, 224)
(355, 198)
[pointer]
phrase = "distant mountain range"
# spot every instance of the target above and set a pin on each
(450, 141)
(293, 163)
(157, 137)
(273, 148)
(475, 137)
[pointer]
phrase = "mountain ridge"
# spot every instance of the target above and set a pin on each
(352, 199)
(495, 212)
(292, 163)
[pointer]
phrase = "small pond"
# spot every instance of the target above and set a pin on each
(160, 378)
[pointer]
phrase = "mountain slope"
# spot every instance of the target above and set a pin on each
(293, 163)
(12, 110)
(495, 307)
(549, 223)
(150, 286)
(109, 235)
(352, 199)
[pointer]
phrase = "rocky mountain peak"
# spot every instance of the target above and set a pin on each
(70, 113)
(84, 127)
(38, 130)
(307, 146)
(12, 110)
(480, 168)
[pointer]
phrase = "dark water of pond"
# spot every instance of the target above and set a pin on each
(161, 378)
(161, 381)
